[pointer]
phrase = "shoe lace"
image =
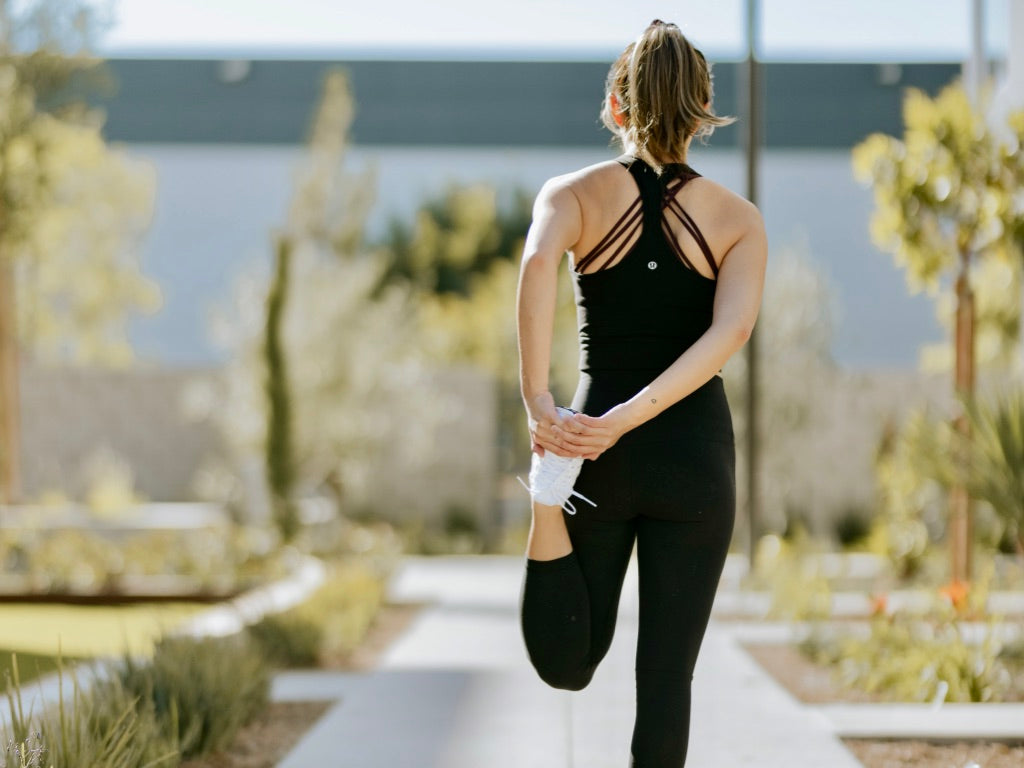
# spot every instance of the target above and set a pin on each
(550, 473)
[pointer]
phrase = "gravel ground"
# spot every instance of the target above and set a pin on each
(923, 754)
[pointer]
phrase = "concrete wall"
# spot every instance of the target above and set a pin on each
(69, 414)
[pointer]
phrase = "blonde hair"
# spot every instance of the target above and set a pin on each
(662, 83)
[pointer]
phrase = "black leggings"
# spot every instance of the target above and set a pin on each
(569, 606)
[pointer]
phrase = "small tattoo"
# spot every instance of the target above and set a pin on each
(653, 400)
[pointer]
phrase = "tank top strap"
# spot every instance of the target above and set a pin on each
(651, 191)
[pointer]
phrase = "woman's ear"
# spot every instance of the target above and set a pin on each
(616, 108)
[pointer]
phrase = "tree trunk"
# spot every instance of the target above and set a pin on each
(280, 460)
(10, 411)
(960, 507)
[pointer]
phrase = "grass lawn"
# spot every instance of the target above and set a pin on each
(30, 665)
(86, 631)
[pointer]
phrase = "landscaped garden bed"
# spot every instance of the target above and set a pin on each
(894, 661)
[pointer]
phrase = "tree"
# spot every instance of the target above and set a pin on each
(71, 209)
(456, 237)
(461, 252)
(947, 202)
(327, 372)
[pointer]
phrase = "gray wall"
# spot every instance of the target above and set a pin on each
(481, 103)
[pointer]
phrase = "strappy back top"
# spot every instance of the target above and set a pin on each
(640, 301)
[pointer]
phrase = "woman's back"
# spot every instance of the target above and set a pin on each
(645, 289)
(608, 190)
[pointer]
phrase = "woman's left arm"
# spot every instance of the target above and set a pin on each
(555, 228)
(737, 301)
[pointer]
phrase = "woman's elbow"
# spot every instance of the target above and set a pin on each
(743, 332)
(737, 333)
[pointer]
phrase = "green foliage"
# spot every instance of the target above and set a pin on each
(30, 665)
(909, 495)
(190, 699)
(915, 469)
(947, 193)
(279, 458)
(455, 238)
(331, 623)
(203, 690)
(288, 640)
(103, 727)
(996, 459)
(352, 351)
(473, 321)
(799, 590)
(852, 527)
(78, 560)
(934, 654)
(917, 658)
(71, 208)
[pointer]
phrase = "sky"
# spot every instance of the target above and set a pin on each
(796, 30)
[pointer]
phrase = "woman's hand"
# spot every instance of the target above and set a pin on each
(547, 426)
(590, 436)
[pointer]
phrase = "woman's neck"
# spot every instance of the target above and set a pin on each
(631, 149)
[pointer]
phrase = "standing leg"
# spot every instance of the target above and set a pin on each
(569, 603)
(680, 564)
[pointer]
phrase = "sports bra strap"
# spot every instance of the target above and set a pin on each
(648, 214)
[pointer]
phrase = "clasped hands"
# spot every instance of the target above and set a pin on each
(576, 436)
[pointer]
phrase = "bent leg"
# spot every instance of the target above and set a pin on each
(680, 564)
(568, 604)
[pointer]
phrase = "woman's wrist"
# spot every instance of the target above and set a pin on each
(642, 407)
(532, 396)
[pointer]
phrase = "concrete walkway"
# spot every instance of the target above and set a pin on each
(456, 691)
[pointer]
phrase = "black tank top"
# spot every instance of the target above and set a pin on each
(642, 311)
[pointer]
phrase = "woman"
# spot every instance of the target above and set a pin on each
(662, 304)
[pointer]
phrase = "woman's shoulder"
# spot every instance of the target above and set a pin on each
(587, 176)
(723, 204)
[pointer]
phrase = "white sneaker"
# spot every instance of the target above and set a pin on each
(552, 477)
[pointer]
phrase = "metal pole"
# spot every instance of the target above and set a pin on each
(974, 67)
(752, 144)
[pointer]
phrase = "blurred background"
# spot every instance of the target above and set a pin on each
(396, 154)
(258, 281)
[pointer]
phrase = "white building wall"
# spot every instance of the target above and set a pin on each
(217, 204)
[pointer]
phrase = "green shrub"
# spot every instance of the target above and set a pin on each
(852, 526)
(288, 640)
(910, 479)
(30, 665)
(997, 460)
(799, 590)
(203, 690)
(103, 727)
(333, 621)
(922, 657)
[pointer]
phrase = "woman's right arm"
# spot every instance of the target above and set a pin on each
(737, 301)
(557, 220)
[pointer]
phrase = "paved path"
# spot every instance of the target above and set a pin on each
(456, 691)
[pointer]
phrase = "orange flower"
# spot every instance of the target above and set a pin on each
(879, 604)
(956, 593)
